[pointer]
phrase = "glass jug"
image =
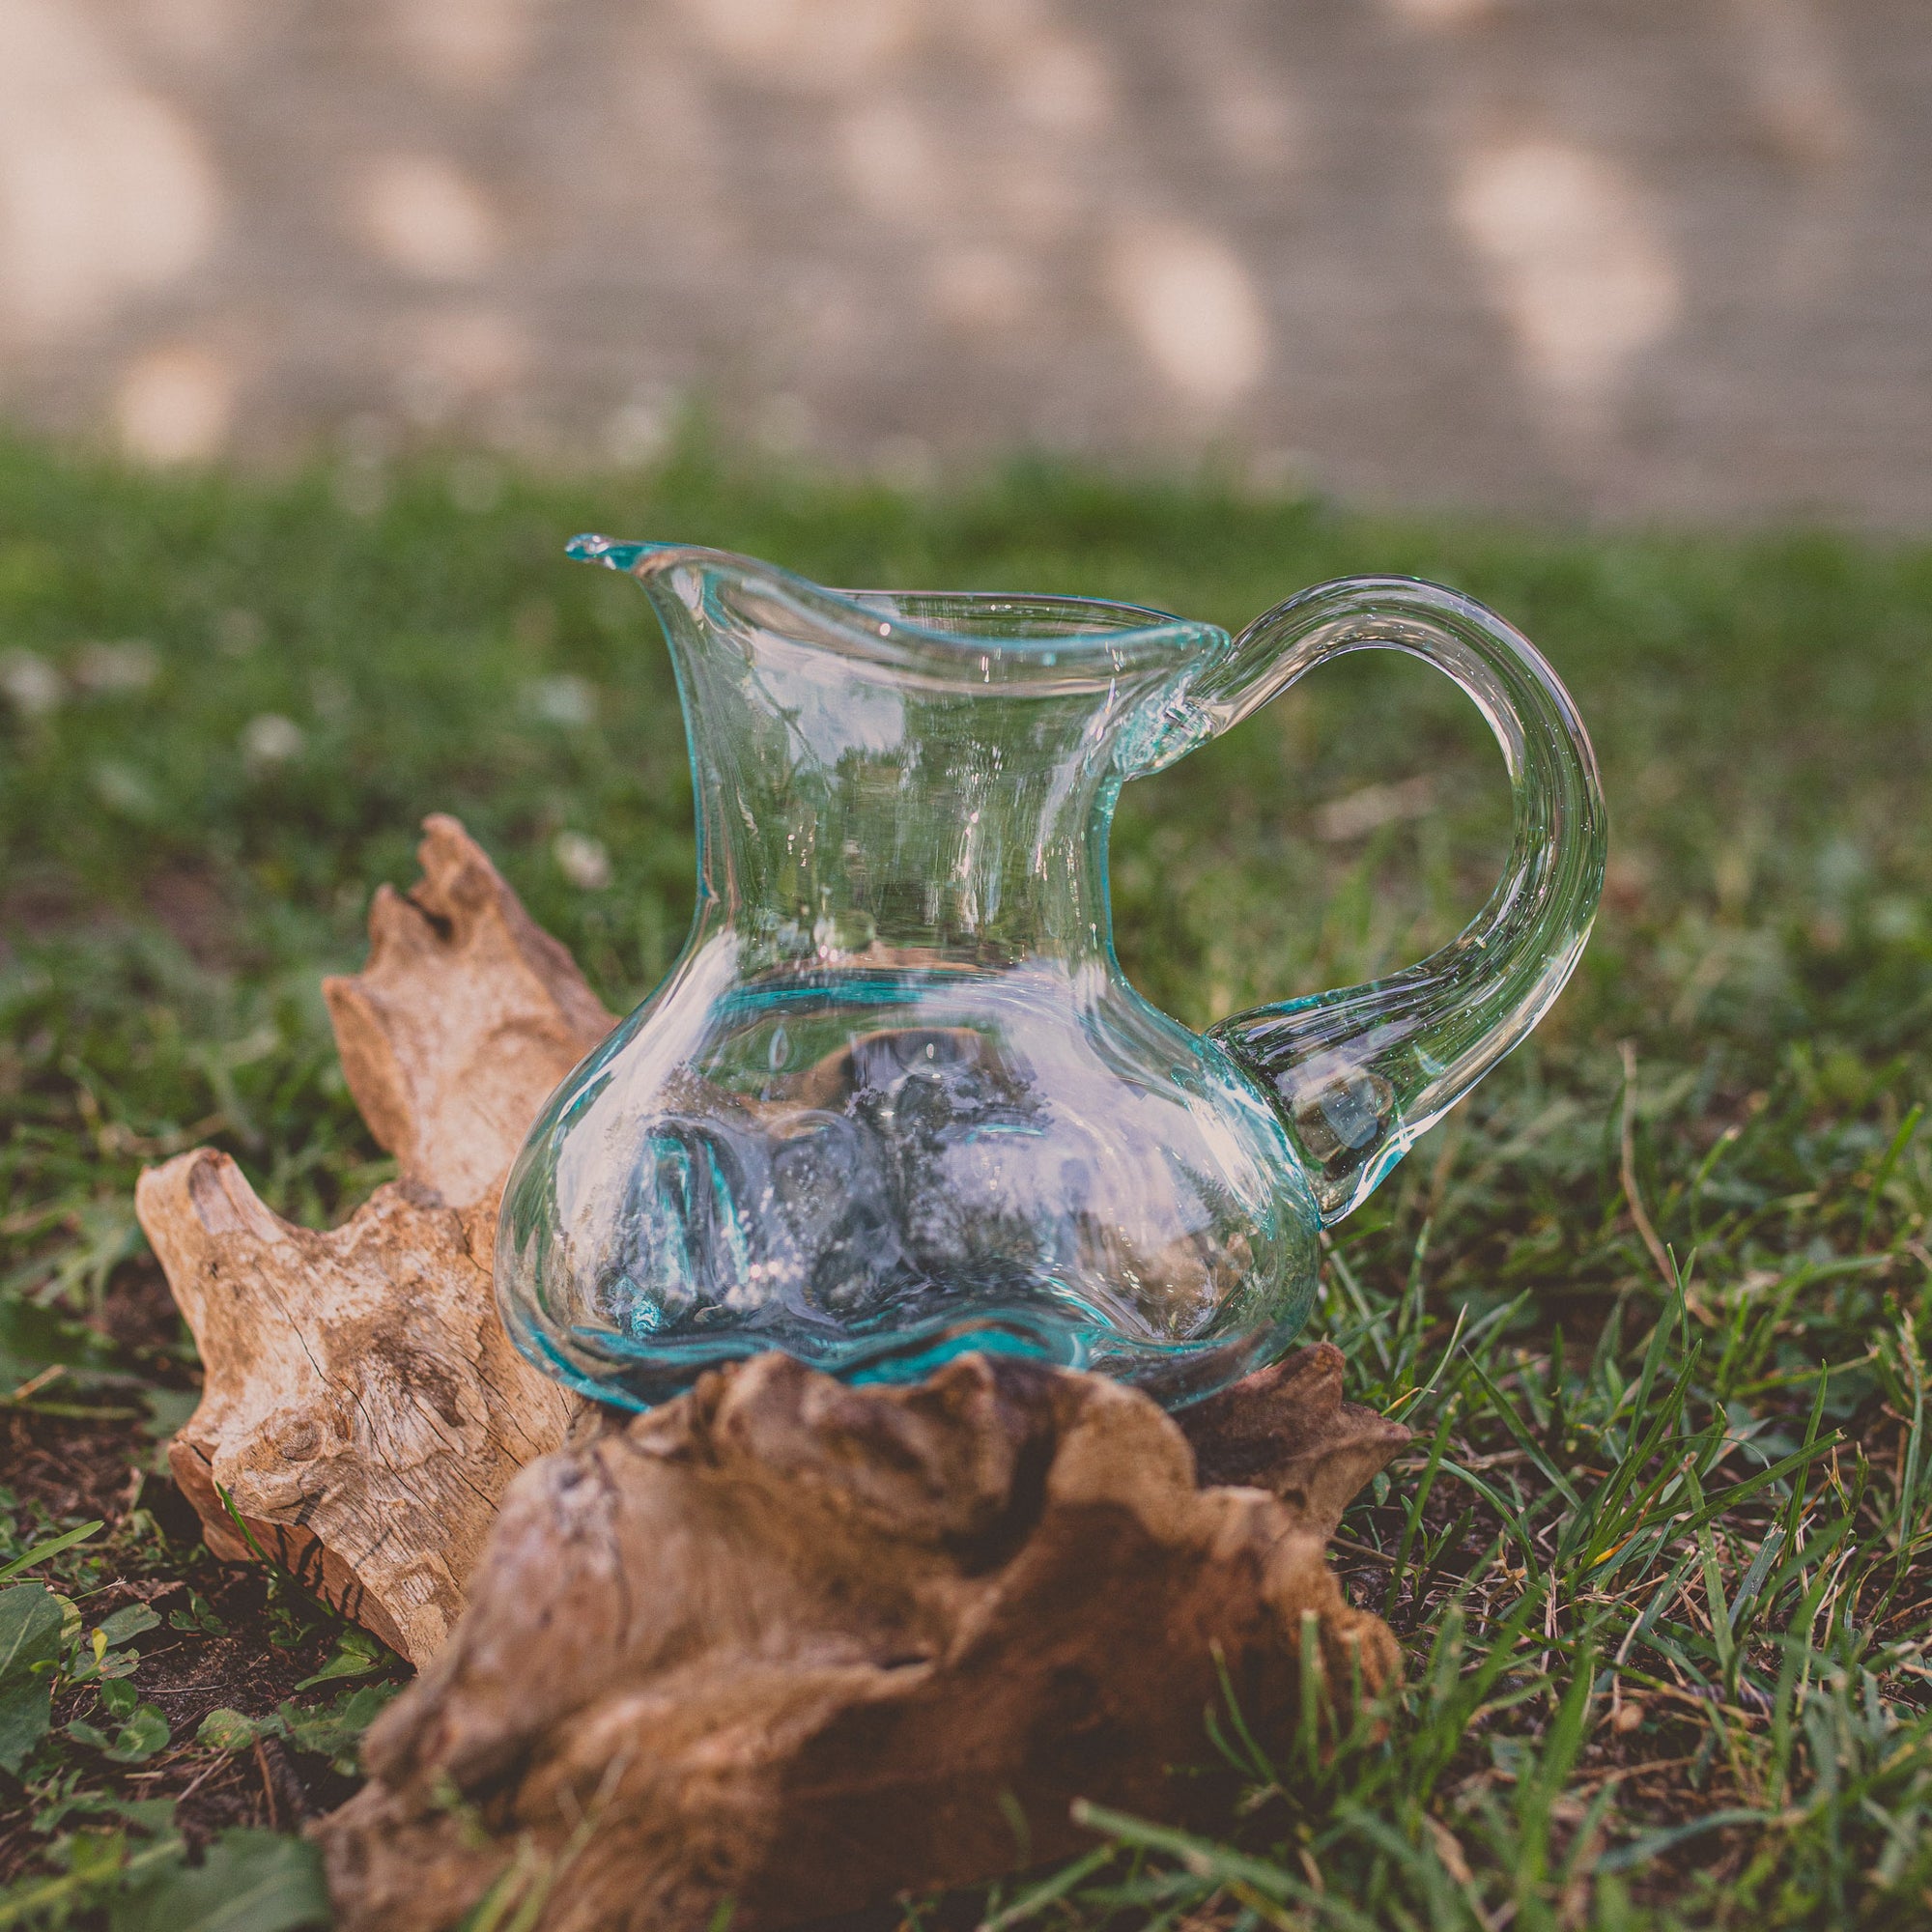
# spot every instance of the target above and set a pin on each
(895, 1099)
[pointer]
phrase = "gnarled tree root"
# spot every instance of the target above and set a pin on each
(802, 1646)
(361, 1407)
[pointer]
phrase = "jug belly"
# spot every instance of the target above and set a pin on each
(874, 1168)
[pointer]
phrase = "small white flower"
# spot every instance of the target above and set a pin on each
(111, 669)
(565, 699)
(33, 687)
(270, 739)
(581, 860)
(122, 789)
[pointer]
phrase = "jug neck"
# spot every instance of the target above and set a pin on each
(978, 913)
(855, 813)
(904, 832)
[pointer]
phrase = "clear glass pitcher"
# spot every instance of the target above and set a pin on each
(896, 1100)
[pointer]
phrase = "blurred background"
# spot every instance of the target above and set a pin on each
(324, 323)
(1624, 257)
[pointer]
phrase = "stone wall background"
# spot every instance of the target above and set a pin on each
(1633, 258)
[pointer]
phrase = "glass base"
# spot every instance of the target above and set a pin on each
(599, 1365)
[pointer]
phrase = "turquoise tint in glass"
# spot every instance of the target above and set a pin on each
(896, 1098)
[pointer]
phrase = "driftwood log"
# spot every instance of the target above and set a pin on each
(802, 1646)
(363, 1408)
(780, 1641)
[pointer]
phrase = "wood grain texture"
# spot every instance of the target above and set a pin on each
(361, 1407)
(802, 1646)
(466, 1016)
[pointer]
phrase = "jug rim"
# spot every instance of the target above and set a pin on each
(1066, 636)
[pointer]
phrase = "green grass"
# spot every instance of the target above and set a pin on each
(1656, 1300)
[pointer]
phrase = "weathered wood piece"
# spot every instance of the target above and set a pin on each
(363, 1407)
(466, 1016)
(802, 1646)
(1286, 1429)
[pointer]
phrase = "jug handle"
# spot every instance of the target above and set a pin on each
(1358, 1075)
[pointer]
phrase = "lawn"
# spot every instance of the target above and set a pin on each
(1657, 1299)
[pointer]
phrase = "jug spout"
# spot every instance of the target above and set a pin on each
(614, 553)
(892, 776)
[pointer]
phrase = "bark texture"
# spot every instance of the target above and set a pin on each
(363, 1407)
(802, 1646)
(466, 1018)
